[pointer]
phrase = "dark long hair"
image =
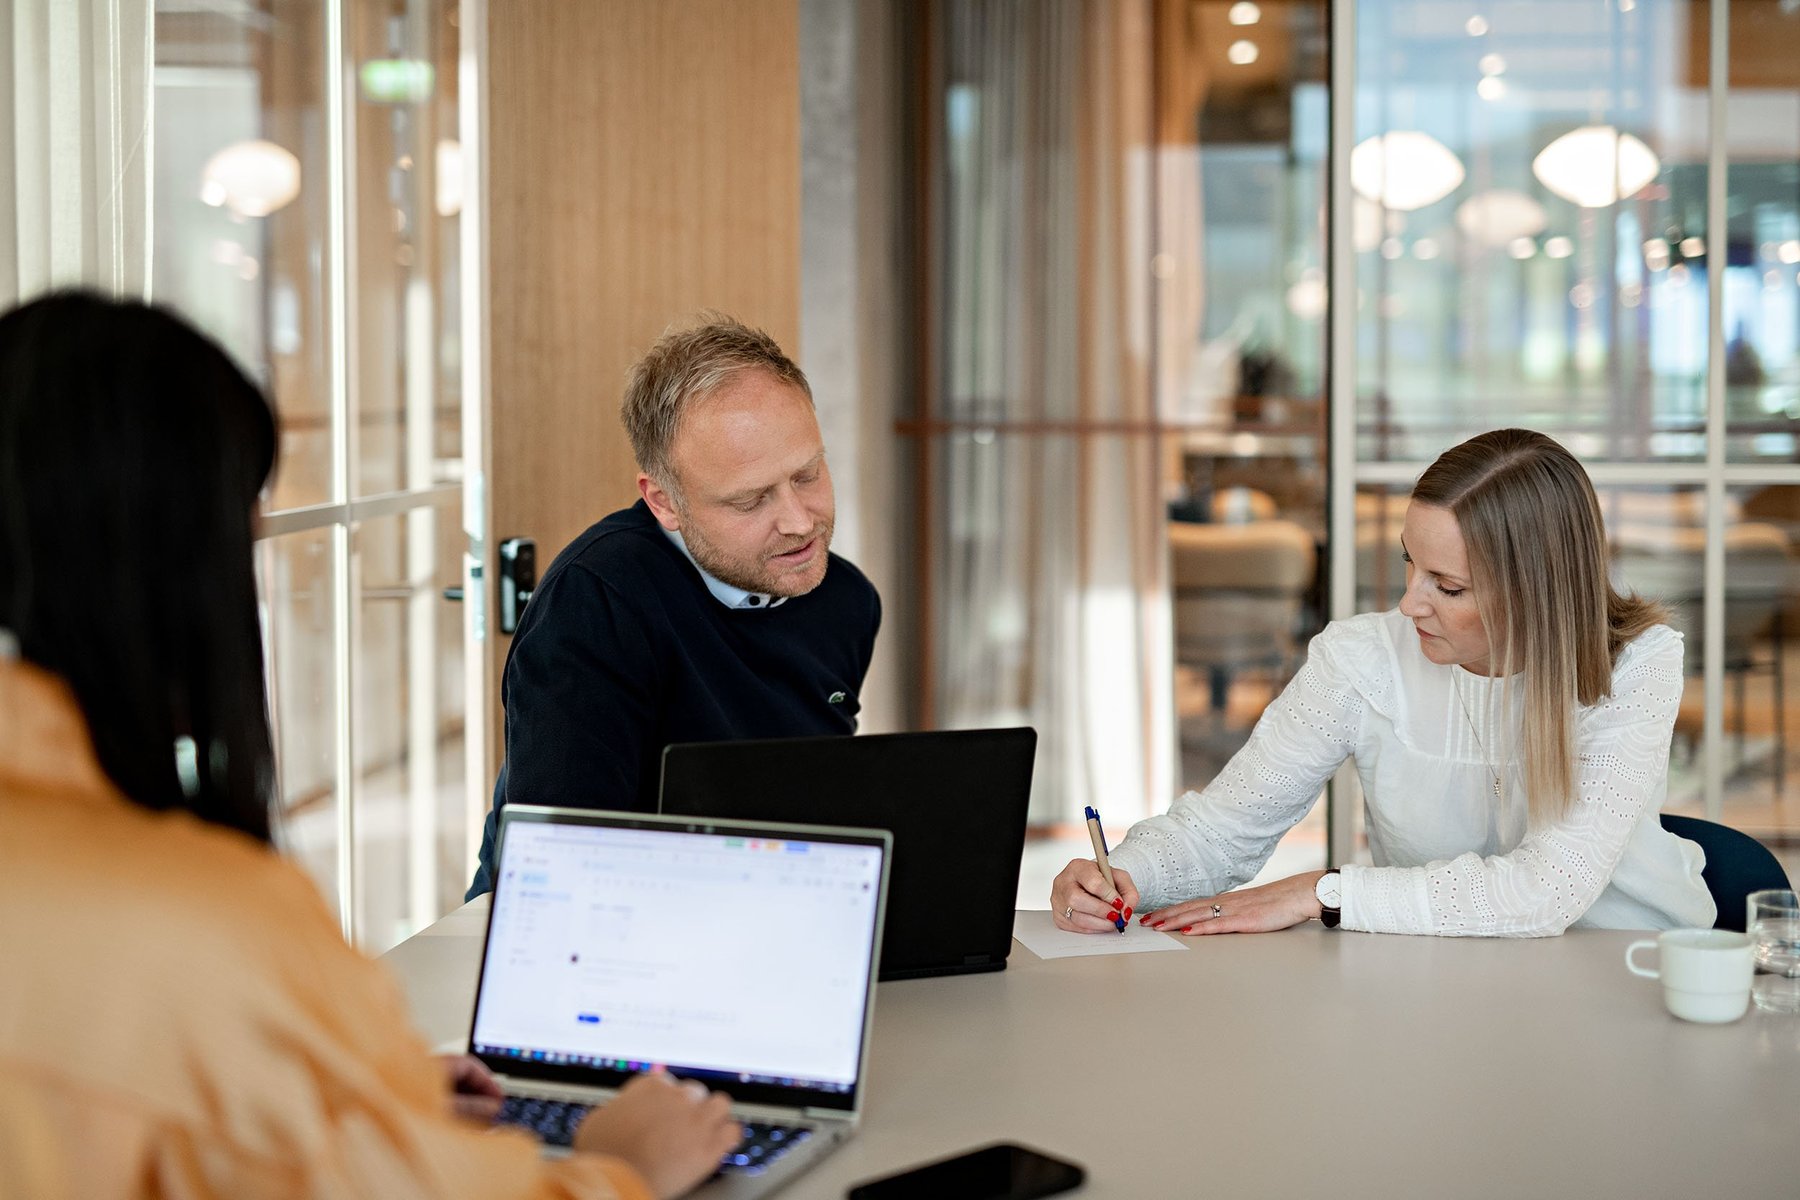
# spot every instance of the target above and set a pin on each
(131, 454)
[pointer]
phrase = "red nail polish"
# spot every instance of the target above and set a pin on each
(1118, 903)
(1144, 920)
(1159, 925)
(1127, 914)
(1187, 929)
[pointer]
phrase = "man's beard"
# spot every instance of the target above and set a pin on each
(757, 575)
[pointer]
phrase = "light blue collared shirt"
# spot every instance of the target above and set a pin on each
(724, 593)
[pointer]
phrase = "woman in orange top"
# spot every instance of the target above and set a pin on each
(179, 1016)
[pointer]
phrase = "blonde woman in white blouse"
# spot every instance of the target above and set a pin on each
(1510, 723)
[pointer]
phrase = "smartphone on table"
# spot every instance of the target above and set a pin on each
(1002, 1171)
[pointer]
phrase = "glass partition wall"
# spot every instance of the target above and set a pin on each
(1584, 218)
(1121, 424)
(308, 198)
(1239, 283)
(1344, 235)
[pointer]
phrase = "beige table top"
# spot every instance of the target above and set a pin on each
(1304, 1063)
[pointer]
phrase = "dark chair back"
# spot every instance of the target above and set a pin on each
(1736, 865)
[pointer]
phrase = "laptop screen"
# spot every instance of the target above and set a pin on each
(737, 957)
(968, 788)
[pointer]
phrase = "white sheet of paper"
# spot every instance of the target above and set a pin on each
(1036, 930)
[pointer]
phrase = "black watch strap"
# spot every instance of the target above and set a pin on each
(1331, 916)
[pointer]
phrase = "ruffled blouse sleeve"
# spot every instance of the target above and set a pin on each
(1212, 841)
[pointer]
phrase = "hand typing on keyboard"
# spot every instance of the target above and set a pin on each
(555, 1121)
(674, 1133)
(762, 1146)
(474, 1092)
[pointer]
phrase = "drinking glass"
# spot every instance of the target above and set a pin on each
(1773, 923)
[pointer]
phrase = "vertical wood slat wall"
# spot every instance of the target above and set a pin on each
(644, 163)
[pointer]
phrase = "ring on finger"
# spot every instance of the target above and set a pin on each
(1068, 912)
(1218, 910)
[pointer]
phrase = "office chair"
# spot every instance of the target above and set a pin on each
(1239, 593)
(1736, 865)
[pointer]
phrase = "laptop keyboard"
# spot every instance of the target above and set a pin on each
(762, 1145)
(555, 1121)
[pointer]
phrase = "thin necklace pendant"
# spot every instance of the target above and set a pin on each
(1456, 686)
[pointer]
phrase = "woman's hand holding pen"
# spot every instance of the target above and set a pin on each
(1081, 901)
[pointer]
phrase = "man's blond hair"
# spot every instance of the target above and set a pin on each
(685, 365)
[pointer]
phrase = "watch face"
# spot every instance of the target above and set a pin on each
(1327, 891)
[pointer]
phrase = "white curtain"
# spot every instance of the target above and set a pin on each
(1052, 572)
(75, 146)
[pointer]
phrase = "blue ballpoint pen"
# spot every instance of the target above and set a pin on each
(1098, 837)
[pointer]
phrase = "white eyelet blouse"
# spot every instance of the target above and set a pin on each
(1449, 859)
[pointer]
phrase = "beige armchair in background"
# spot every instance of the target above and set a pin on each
(1240, 593)
(1667, 562)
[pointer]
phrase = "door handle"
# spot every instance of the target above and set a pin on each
(518, 580)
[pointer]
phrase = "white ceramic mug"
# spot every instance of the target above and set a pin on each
(1705, 973)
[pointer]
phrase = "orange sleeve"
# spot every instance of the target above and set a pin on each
(59, 1142)
(274, 1063)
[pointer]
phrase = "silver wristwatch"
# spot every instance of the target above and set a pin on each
(1330, 894)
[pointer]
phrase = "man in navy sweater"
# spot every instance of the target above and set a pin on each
(710, 610)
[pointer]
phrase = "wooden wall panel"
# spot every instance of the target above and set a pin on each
(644, 163)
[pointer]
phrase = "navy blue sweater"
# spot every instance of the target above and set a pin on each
(622, 651)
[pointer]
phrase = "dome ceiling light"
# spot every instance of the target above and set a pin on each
(252, 178)
(1495, 218)
(1595, 166)
(1404, 170)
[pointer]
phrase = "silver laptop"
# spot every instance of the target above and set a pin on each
(741, 954)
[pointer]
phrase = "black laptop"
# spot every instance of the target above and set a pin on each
(954, 801)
